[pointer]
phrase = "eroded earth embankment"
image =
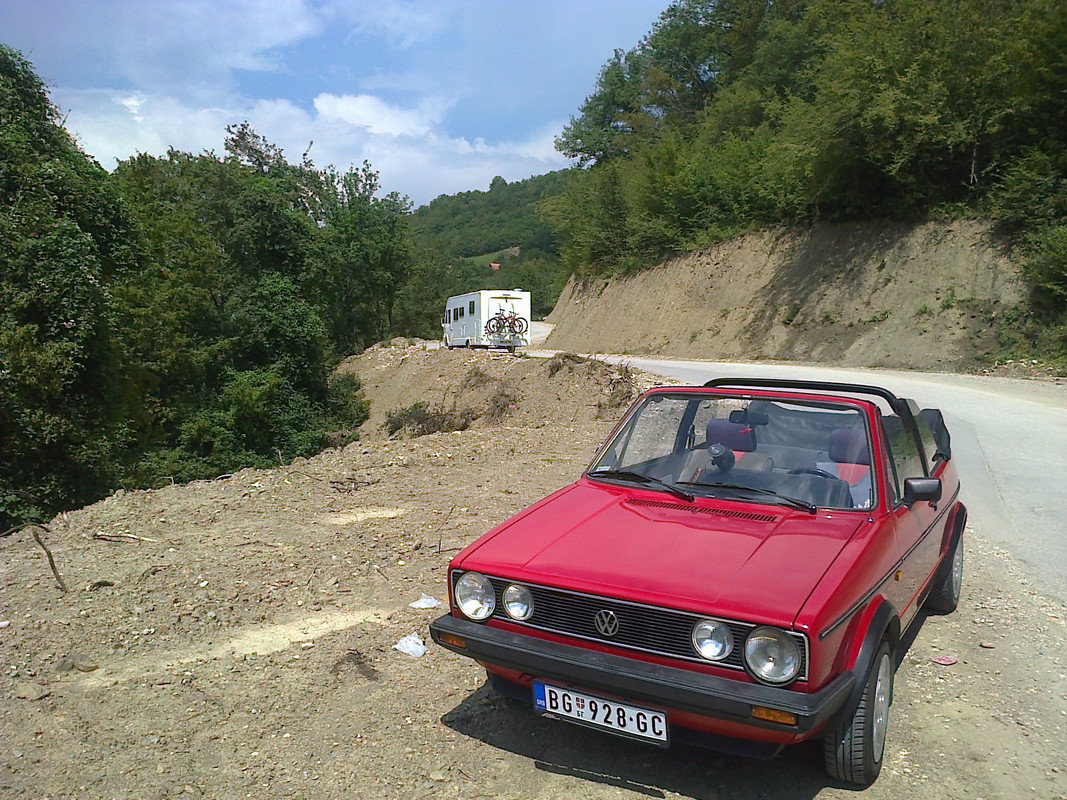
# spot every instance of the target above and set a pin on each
(923, 297)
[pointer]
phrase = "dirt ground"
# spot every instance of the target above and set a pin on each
(235, 638)
(927, 297)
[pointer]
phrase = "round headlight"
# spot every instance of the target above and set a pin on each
(772, 656)
(475, 596)
(518, 602)
(713, 639)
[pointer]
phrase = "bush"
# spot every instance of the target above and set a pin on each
(1046, 271)
(501, 403)
(345, 403)
(419, 420)
(562, 360)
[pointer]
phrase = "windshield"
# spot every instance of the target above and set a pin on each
(811, 452)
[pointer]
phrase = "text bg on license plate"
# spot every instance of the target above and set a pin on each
(609, 715)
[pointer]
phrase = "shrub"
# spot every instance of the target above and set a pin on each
(420, 420)
(501, 403)
(561, 360)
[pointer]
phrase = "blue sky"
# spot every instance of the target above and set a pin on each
(439, 95)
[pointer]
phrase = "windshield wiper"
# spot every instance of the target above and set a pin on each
(629, 475)
(803, 505)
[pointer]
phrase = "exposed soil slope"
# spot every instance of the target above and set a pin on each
(888, 295)
(235, 638)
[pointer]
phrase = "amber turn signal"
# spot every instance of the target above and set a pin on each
(773, 715)
(455, 641)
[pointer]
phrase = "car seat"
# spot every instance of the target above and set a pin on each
(850, 460)
(738, 437)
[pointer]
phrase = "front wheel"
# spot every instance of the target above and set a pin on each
(853, 751)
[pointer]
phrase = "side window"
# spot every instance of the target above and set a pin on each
(470, 307)
(906, 462)
(449, 318)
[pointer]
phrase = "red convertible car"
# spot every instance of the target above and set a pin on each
(736, 568)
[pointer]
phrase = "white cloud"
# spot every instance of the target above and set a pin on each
(439, 95)
(408, 147)
(189, 48)
(111, 125)
(378, 117)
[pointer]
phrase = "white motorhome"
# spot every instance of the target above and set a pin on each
(487, 318)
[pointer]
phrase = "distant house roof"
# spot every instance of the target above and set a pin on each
(494, 265)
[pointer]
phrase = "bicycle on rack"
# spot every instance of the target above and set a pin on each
(506, 322)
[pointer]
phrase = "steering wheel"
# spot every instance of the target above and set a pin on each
(814, 471)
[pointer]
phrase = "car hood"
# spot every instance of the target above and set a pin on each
(741, 560)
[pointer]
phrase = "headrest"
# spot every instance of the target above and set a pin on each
(734, 435)
(849, 446)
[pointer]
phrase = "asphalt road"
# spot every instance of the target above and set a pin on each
(1009, 438)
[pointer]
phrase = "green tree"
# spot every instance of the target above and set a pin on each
(64, 240)
(610, 117)
(737, 113)
(369, 259)
(259, 271)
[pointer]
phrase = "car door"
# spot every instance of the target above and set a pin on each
(917, 527)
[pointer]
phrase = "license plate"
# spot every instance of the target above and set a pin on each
(596, 712)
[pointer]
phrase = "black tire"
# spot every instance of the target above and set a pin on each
(521, 325)
(854, 750)
(945, 596)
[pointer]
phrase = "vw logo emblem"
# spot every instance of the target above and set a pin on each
(606, 622)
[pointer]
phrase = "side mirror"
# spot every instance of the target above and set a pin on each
(917, 489)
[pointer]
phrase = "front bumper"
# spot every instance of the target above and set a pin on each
(653, 684)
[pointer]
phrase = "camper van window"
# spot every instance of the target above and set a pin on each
(471, 306)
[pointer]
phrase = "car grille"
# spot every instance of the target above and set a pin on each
(650, 629)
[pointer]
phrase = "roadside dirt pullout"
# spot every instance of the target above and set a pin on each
(924, 297)
(235, 638)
